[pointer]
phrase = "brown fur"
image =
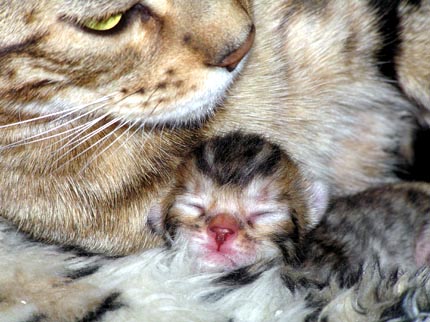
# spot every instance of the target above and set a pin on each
(311, 85)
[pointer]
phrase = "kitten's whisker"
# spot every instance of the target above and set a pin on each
(66, 112)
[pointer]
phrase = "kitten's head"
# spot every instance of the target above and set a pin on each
(148, 61)
(238, 199)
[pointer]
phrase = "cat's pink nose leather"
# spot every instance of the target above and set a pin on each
(223, 227)
(235, 57)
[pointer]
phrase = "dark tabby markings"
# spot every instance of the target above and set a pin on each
(20, 47)
(239, 277)
(419, 170)
(171, 225)
(36, 318)
(80, 273)
(80, 252)
(317, 304)
(237, 158)
(292, 282)
(108, 305)
(415, 3)
(313, 316)
(187, 38)
(295, 234)
(393, 311)
(389, 21)
(162, 85)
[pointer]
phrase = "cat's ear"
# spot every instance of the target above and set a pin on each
(318, 199)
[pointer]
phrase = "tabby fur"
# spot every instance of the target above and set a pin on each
(339, 84)
(159, 286)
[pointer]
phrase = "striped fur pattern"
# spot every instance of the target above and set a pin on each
(53, 284)
(389, 223)
(267, 208)
(94, 123)
(242, 184)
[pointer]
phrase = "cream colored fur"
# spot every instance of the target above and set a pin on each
(93, 126)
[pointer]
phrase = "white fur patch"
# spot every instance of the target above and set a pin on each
(162, 285)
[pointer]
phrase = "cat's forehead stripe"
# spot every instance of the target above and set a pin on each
(237, 158)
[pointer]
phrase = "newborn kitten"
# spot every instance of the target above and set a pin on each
(239, 199)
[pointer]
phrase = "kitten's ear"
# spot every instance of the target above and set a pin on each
(318, 201)
(155, 218)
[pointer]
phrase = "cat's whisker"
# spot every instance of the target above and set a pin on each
(73, 130)
(85, 139)
(126, 132)
(97, 143)
(75, 135)
(63, 113)
(33, 139)
(81, 140)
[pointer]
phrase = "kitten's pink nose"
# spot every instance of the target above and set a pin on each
(222, 227)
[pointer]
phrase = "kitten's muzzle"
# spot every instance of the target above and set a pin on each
(221, 228)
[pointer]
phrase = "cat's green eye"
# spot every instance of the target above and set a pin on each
(104, 24)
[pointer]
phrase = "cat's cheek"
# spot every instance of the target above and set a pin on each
(195, 104)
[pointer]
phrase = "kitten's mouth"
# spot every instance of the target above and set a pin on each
(220, 261)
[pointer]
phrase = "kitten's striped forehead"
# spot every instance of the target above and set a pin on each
(237, 158)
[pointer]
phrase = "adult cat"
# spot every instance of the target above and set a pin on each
(99, 99)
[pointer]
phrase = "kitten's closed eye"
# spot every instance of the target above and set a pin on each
(190, 209)
(267, 217)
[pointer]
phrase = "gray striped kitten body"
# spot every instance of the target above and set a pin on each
(390, 224)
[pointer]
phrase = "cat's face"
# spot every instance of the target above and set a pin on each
(137, 61)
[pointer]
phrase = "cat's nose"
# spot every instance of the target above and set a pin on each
(222, 228)
(234, 57)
